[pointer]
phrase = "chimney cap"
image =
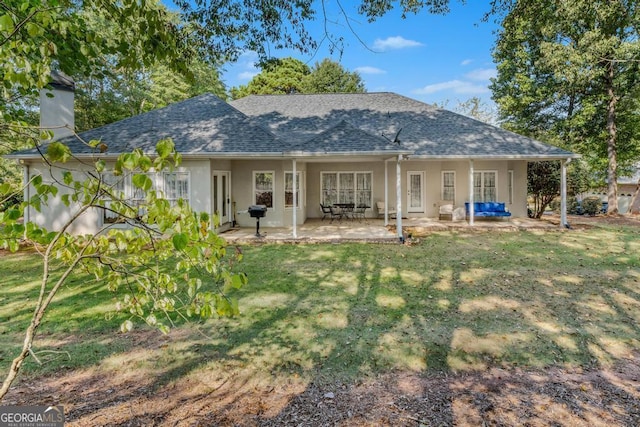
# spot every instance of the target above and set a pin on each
(61, 81)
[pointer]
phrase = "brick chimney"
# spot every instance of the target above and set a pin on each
(56, 105)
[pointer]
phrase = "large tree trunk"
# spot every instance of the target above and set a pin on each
(612, 170)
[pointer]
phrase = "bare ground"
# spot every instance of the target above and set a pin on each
(242, 397)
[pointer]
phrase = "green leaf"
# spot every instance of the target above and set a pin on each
(165, 147)
(58, 152)
(126, 326)
(5, 188)
(100, 165)
(142, 181)
(6, 23)
(67, 177)
(12, 214)
(180, 241)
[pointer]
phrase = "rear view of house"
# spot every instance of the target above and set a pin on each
(294, 153)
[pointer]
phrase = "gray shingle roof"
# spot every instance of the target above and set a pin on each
(426, 130)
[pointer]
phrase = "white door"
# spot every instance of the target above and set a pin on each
(221, 186)
(415, 191)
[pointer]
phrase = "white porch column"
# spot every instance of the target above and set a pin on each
(295, 200)
(399, 199)
(386, 192)
(471, 208)
(563, 192)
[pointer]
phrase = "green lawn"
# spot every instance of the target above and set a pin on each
(452, 302)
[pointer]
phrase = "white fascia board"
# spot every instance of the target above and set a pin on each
(534, 157)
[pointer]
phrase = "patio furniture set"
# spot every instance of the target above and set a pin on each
(341, 211)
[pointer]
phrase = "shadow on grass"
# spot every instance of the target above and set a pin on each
(329, 319)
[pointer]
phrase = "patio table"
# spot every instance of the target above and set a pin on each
(345, 209)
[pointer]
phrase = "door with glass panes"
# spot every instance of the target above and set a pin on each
(221, 186)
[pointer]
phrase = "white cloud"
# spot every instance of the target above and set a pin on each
(466, 62)
(397, 42)
(481, 74)
(369, 70)
(247, 75)
(457, 86)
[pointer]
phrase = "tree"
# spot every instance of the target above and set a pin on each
(278, 76)
(289, 75)
(168, 264)
(330, 77)
(569, 71)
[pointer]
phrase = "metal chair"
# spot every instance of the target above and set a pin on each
(359, 211)
(326, 210)
(335, 213)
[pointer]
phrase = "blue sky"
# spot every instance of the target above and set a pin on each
(432, 58)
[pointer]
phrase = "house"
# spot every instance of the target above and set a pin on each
(331, 148)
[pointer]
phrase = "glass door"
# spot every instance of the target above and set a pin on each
(415, 191)
(221, 197)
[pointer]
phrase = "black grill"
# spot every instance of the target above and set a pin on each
(257, 212)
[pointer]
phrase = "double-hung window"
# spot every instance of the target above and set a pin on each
(263, 188)
(346, 187)
(116, 186)
(176, 186)
(484, 186)
(288, 189)
(449, 186)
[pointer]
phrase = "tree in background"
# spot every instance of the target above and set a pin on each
(329, 76)
(278, 76)
(568, 73)
(289, 75)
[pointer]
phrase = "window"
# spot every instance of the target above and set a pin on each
(138, 195)
(116, 186)
(484, 186)
(346, 187)
(449, 186)
(288, 189)
(510, 183)
(263, 188)
(176, 186)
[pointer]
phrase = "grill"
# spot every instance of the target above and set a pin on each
(257, 212)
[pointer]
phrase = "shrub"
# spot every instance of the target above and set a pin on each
(591, 205)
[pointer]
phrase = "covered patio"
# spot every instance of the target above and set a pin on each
(373, 230)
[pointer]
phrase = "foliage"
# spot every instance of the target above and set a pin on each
(330, 77)
(568, 72)
(543, 181)
(130, 261)
(591, 205)
(289, 75)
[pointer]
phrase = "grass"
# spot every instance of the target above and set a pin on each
(327, 312)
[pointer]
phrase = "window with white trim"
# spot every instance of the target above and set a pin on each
(176, 186)
(484, 186)
(288, 189)
(263, 188)
(346, 187)
(510, 184)
(449, 186)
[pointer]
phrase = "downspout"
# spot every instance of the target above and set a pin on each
(563, 193)
(471, 201)
(399, 200)
(295, 201)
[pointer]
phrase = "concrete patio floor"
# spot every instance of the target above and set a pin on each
(373, 230)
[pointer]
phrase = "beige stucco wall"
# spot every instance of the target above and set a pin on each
(243, 196)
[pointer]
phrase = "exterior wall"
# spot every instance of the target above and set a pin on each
(242, 191)
(432, 172)
(55, 214)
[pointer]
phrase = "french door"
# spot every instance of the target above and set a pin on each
(221, 188)
(415, 191)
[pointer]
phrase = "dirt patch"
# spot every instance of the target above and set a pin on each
(243, 397)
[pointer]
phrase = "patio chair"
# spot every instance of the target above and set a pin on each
(335, 213)
(445, 210)
(326, 210)
(381, 210)
(359, 211)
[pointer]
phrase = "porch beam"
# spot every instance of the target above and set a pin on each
(471, 207)
(295, 199)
